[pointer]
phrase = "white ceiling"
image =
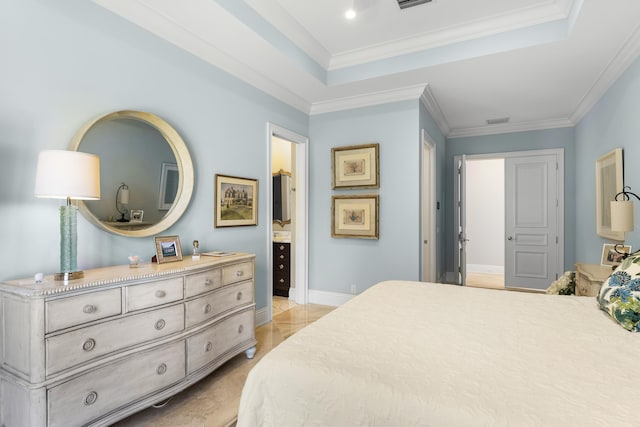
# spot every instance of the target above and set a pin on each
(542, 63)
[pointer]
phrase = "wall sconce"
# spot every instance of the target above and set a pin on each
(122, 198)
(63, 174)
(622, 211)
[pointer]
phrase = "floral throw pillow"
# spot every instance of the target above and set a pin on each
(620, 294)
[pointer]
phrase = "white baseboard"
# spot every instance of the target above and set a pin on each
(332, 299)
(262, 316)
(482, 268)
(292, 294)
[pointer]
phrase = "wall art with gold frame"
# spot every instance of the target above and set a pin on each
(355, 166)
(355, 216)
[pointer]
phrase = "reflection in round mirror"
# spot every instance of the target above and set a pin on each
(146, 173)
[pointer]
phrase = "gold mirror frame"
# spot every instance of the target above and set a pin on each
(183, 160)
(282, 223)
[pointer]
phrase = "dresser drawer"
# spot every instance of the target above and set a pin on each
(237, 272)
(91, 395)
(202, 282)
(206, 346)
(66, 312)
(154, 293)
(209, 306)
(72, 348)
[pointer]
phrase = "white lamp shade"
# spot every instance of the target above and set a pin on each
(622, 215)
(62, 173)
(123, 196)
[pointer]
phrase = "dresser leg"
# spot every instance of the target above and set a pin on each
(250, 352)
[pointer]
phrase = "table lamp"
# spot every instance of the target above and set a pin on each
(63, 174)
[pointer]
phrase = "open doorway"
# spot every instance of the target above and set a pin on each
(287, 190)
(533, 213)
(485, 223)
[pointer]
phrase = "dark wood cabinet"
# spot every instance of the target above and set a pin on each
(281, 268)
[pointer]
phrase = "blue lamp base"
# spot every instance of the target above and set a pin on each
(68, 244)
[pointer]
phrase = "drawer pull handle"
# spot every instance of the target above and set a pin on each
(208, 282)
(239, 273)
(240, 329)
(89, 308)
(281, 280)
(207, 309)
(162, 369)
(89, 344)
(208, 347)
(160, 324)
(239, 295)
(281, 247)
(281, 256)
(161, 294)
(281, 266)
(90, 398)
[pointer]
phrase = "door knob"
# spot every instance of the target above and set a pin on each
(510, 238)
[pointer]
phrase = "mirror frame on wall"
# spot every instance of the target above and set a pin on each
(282, 174)
(183, 161)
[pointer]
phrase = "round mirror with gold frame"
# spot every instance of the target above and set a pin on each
(146, 173)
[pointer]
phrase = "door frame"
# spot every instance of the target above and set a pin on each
(301, 224)
(559, 153)
(428, 208)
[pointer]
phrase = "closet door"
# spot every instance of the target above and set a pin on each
(532, 218)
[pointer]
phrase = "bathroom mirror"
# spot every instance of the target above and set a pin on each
(281, 197)
(140, 156)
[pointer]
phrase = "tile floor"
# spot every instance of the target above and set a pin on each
(213, 401)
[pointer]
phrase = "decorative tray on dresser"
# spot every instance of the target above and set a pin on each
(94, 350)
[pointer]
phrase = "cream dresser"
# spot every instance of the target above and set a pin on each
(121, 339)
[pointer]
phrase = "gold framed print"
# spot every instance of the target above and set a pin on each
(355, 216)
(236, 201)
(355, 166)
(168, 249)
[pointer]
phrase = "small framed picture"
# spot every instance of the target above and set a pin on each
(613, 254)
(136, 215)
(355, 166)
(168, 249)
(355, 216)
(236, 201)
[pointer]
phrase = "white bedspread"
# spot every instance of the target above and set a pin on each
(423, 354)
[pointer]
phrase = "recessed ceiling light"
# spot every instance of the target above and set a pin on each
(350, 14)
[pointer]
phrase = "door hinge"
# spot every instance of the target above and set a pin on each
(556, 240)
(556, 276)
(557, 166)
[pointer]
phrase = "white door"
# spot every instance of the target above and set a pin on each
(460, 220)
(532, 219)
(428, 210)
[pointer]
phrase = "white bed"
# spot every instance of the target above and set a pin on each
(418, 354)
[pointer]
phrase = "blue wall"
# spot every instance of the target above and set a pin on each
(613, 122)
(335, 264)
(67, 61)
(521, 141)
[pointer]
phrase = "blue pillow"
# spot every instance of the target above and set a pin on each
(620, 294)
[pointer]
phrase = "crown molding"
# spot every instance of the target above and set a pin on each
(431, 104)
(627, 54)
(510, 128)
(518, 19)
(369, 99)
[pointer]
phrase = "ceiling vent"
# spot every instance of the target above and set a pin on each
(404, 4)
(498, 121)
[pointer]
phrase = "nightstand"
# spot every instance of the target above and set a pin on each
(589, 278)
